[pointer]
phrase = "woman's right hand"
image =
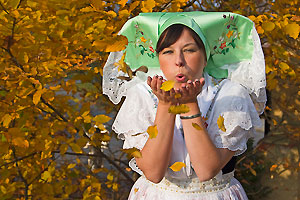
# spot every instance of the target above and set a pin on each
(166, 97)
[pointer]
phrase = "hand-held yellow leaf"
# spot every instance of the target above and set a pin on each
(196, 126)
(167, 85)
(220, 123)
(152, 131)
(176, 167)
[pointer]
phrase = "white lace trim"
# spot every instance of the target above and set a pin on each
(251, 74)
(240, 118)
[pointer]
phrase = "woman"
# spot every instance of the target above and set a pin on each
(195, 138)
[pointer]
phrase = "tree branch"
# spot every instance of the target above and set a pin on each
(18, 159)
(4, 8)
(20, 174)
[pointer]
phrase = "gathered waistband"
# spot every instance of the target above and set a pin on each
(194, 185)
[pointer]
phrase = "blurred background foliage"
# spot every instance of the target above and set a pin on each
(52, 54)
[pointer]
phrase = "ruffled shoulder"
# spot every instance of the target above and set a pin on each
(235, 105)
(136, 114)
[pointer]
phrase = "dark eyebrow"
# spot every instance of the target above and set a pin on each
(188, 44)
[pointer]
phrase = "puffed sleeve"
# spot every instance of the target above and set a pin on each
(136, 114)
(234, 104)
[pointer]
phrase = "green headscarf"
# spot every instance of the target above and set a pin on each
(226, 37)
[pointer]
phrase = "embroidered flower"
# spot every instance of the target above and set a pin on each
(143, 39)
(229, 34)
(223, 45)
(205, 124)
(151, 49)
(228, 37)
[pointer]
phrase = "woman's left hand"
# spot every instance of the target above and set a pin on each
(190, 90)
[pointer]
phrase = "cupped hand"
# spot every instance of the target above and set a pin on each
(167, 97)
(190, 90)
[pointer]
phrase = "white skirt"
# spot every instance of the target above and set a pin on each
(226, 188)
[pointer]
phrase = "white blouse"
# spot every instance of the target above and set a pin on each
(225, 98)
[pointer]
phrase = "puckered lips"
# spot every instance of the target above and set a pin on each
(180, 78)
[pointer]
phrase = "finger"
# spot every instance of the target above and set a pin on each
(190, 87)
(154, 83)
(159, 82)
(184, 90)
(202, 81)
(197, 85)
(149, 80)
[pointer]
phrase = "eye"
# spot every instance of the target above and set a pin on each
(190, 50)
(167, 52)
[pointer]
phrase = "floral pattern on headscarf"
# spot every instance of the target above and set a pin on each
(228, 37)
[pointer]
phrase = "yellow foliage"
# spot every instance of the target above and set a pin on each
(292, 30)
(177, 166)
(20, 142)
(147, 5)
(101, 119)
(268, 26)
(46, 176)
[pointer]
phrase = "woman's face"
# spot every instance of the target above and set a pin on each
(183, 60)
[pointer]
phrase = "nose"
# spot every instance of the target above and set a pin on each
(179, 60)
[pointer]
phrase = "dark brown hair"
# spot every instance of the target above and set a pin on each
(172, 34)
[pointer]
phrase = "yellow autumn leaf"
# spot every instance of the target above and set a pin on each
(20, 142)
(70, 166)
(177, 166)
(46, 176)
(122, 3)
(124, 14)
(284, 66)
(37, 96)
(147, 5)
(136, 190)
(220, 123)
(152, 131)
(178, 109)
(133, 152)
(273, 167)
(118, 44)
(75, 147)
(167, 85)
(6, 120)
(252, 171)
(115, 186)
(63, 149)
(196, 126)
(101, 119)
(252, 18)
(110, 177)
(26, 57)
(268, 26)
(292, 30)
